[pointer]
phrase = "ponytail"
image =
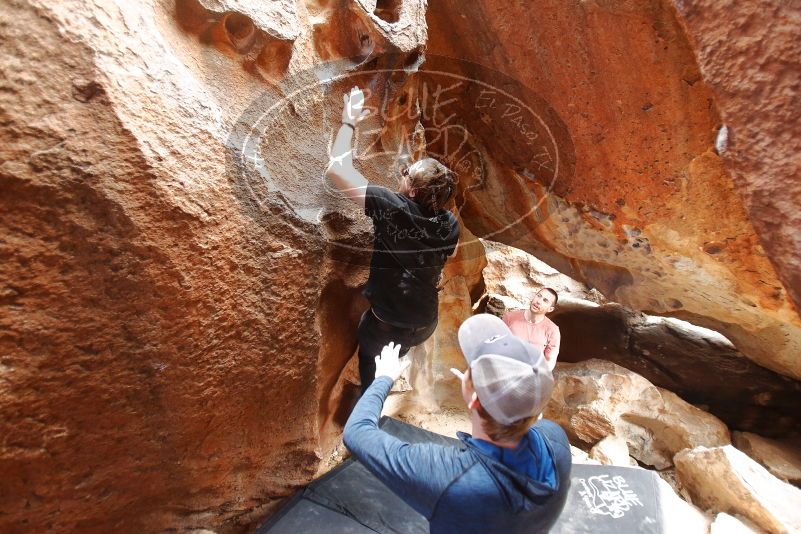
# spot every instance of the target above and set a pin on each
(433, 183)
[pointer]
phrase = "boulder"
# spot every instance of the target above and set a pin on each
(679, 516)
(780, 458)
(581, 457)
(724, 479)
(728, 524)
(516, 275)
(612, 450)
(669, 476)
(595, 399)
(700, 365)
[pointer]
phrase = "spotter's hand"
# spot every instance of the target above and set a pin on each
(388, 364)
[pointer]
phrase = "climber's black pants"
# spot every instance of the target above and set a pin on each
(374, 334)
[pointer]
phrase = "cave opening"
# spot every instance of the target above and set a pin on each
(699, 364)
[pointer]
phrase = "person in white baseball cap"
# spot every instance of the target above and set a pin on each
(510, 378)
(511, 475)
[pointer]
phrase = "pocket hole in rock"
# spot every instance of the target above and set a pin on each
(388, 10)
(235, 31)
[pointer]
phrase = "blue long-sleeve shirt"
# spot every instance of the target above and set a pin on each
(467, 488)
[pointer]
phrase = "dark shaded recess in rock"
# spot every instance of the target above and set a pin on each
(344, 243)
(388, 10)
(605, 277)
(702, 371)
(86, 90)
(331, 42)
(340, 308)
(236, 35)
(235, 31)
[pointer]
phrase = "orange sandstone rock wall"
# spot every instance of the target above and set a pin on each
(622, 187)
(170, 328)
(749, 54)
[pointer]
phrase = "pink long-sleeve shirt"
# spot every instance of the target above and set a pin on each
(544, 335)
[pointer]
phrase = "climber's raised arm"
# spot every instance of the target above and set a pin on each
(340, 169)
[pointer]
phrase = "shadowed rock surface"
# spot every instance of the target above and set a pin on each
(781, 458)
(701, 367)
(171, 330)
(762, 148)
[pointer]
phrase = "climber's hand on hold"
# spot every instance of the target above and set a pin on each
(354, 111)
(341, 172)
(388, 364)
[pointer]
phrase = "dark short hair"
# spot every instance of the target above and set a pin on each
(553, 292)
(435, 183)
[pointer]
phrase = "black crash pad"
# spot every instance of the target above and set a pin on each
(348, 499)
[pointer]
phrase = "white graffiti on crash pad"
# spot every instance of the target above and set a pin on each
(606, 496)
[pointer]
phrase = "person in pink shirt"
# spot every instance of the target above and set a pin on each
(532, 325)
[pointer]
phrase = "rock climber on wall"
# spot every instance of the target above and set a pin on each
(413, 236)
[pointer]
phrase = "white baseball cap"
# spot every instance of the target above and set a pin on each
(510, 376)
